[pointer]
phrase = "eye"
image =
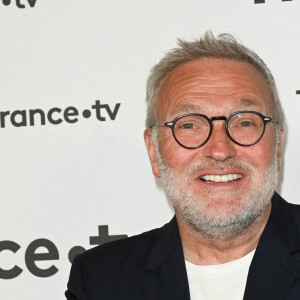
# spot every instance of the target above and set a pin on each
(191, 123)
(245, 121)
(187, 126)
(246, 124)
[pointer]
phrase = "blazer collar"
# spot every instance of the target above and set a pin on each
(167, 278)
(276, 261)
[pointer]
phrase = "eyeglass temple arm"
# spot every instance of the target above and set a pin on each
(269, 119)
(169, 124)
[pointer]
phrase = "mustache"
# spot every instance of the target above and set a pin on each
(198, 166)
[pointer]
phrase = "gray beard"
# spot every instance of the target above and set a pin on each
(221, 226)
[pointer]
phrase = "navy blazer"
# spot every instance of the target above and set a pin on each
(151, 266)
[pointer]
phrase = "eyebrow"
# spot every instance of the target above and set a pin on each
(187, 108)
(249, 102)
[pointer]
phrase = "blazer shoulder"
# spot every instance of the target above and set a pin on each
(133, 249)
(287, 217)
(115, 267)
(282, 206)
(295, 209)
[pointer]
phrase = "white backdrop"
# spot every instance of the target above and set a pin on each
(59, 182)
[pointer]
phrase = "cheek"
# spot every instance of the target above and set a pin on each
(260, 155)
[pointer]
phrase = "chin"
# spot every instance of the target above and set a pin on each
(223, 209)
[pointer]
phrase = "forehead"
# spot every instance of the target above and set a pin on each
(213, 86)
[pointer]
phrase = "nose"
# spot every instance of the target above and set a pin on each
(219, 147)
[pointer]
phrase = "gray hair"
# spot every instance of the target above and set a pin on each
(225, 46)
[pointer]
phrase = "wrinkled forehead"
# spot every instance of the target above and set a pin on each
(209, 85)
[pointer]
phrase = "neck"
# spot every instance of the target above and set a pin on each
(199, 249)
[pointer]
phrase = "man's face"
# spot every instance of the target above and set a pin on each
(215, 87)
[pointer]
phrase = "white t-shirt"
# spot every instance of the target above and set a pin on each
(226, 281)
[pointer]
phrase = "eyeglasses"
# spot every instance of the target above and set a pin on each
(193, 130)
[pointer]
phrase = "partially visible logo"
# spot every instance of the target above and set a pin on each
(20, 3)
(56, 115)
(264, 1)
(45, 250)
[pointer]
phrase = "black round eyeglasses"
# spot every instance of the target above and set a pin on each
(193, 130)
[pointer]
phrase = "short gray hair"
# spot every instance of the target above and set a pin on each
(224, 46)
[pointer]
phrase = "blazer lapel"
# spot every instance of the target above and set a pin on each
(276, 260)
(167, 278)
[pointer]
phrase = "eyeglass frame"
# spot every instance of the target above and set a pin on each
(171, 124)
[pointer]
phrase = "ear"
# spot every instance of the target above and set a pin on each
(151, 150)
(279, 152)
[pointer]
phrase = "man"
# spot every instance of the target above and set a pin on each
(214, 132)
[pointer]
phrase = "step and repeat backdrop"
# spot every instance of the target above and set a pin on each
(74, 171)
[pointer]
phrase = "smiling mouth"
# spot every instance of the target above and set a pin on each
(221, 178)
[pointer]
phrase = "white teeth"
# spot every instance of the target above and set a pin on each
(221, 178)
(224, 178)
(218, 178)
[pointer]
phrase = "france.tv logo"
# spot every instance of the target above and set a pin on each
(20, 3)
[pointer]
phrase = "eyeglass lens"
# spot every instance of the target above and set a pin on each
(244, 128)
